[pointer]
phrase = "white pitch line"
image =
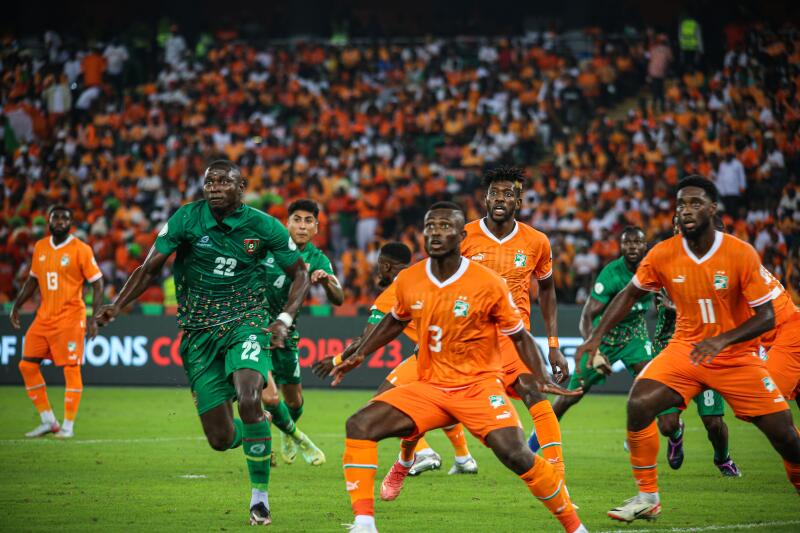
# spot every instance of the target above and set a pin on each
(12, 442)
(726, 527)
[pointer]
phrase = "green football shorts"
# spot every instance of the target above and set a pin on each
(210, 356)
(636, 351)
(709, 403)
(286, 361)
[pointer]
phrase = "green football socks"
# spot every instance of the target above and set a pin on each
(257, 445)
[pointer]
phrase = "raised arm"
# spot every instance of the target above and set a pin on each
(333, 289)
(279, 329)
(139, 280)
(30, 286)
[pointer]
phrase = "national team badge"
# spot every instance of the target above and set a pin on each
(460, 309)
(768, 384)
(720, 281)
(71, 345)
(251, 245)
(520, 260)
(495, 400)
(64, 260)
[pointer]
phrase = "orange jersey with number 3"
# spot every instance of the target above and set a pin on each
(61, 271)
(457, 320)
(525, 252)
(386, 301)
(712, 294)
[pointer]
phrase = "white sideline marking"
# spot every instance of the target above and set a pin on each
(752, 525)
(193, 476)
(12, 442)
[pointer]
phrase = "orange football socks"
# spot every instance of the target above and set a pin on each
(644, 451)
(548, 430)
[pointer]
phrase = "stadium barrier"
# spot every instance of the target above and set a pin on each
(143, 350)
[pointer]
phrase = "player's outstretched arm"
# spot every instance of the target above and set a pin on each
(97, 305)
(30, 286)
(333, 289)
(619, 307)
(386, 331)
(279, 329)
(759, 323)
(531, 356)
(139, 280)
(549, 307)
(324, 366)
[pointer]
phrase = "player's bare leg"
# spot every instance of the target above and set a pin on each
(374, 422)
(646, 399)
(717, 432)
(547, 428)
(785, 438)
(542, 479)
(671, 426)
(283, 414)
(36, 388)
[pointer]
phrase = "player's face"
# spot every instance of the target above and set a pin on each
(443, 232)
(633, 245)
(60, 222)
(302, 226)
(502, 201)
(387, 270)
(222, 189)
(695, 211)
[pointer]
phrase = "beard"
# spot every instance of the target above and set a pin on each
(699, 228)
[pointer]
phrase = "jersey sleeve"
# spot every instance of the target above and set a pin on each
(35, 262)
(646, 277)
(171, 235)
(755, 279)
(321, 262)
(278, 242)
(544, 267)
(375, 316)
(89, 269)
(400, 309)
(504, 311)
(605, 286)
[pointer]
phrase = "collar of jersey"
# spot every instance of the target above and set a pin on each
(63, 244)
(492, 236)
(452, 279)
(233, 220)
(718, 235)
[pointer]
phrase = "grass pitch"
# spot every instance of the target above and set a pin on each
(139, 463)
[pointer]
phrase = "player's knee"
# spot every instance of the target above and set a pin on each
(668, 425)
(714, 424)
(517, 459)
(640, 412)
(357, 427)
(250, 409)
(293, 401)
(219, 441)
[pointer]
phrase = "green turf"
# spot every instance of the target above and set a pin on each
(125, 470)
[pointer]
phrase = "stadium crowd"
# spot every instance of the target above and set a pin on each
(369, 129)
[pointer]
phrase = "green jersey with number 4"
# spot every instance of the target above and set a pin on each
(278, 284)
(614, 277)
(219, 277)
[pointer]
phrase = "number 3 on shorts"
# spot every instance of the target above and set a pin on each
(250, 350)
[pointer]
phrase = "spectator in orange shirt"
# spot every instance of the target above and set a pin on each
(92, 67)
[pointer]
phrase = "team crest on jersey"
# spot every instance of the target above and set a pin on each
(64, 260)
(251, 245)
(768, 384)
(496, 400)
(720, 281)
(520, 259)
(71, 345)
(460, 309)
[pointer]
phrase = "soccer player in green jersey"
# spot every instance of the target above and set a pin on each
(220, 245)
(628, 341)
(303, 225)
(710, 404)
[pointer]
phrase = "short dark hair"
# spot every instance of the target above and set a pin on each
(58, 207)
(396, 251)
(696, 180)
(632, 229)
(229, 166)
(305, 204)
(446, 205)
(515, 175)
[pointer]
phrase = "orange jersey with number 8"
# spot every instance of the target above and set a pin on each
(61, 271)
(457, 321)
(714, 293)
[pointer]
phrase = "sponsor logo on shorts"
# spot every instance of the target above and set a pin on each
(460, 309)
(64, 260)
(204, 241)
(71, 345)
(477, 257)
(251, 245)
(520, 259)
(768, 384)
(497, 400)
(504, 415)
(720, 281)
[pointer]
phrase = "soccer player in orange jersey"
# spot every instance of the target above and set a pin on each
(393, 258)
(519, 253)
(783, 346)
(724, 303)
(458, 307)
(60, 265)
